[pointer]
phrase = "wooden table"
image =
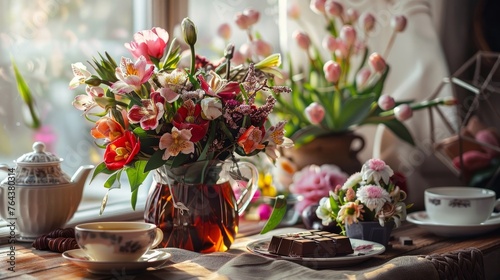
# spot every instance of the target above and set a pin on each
(35, 264)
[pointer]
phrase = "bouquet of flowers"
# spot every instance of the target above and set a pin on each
(373, 194)
(149, 112)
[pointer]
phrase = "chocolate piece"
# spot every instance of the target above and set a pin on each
(58, 240)
(310, 244)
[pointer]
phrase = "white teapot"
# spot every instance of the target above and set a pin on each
(37, 196)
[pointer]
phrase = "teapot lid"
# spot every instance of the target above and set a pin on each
(39, 155)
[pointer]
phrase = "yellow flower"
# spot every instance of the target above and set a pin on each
(266, 185)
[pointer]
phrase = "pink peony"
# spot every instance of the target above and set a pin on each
(314, 182)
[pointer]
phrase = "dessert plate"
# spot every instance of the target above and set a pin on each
(363, 250)
(152, 258)
(421, 219)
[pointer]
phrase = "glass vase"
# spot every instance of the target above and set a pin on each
(195, 206)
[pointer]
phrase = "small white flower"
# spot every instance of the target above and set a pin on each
(324, 211)
(211, 108)
(373, 196)
(352, 181)
(375, 170)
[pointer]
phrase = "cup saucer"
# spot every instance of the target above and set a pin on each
(421, 219)
(153, 258)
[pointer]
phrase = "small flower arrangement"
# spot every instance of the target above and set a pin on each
(150, 112)
(340, 87)
(374, 194)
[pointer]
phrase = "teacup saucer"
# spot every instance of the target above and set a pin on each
(152, 258)
(422, 220)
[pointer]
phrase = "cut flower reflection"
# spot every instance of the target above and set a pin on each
(149, 112)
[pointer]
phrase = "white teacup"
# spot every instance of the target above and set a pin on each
(117, 241)
(459, 205)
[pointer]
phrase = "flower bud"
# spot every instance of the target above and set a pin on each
(238, 58)
(403, 112)
(377, 63)
(367, 21)
(302, 40)
(352, 15)
(315, 113)
(348, 35)
(342, 50)
(224, 31)
(294, 11)
(318, 6)
(93, 81)
(242, 20)
(362, 77)
(386, 102)
(332, 71)
(334, 8)
(262, 48)
(253, 16)
(329, 43)
(398, 23)
(450, 100)
(189, 31)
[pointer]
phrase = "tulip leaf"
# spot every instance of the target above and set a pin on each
(400, 130)
(355, 110)
(155, 161)
(101, 168)
(136, 174)
(279, 211)
(25, 93)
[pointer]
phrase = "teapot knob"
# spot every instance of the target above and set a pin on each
(39, 147)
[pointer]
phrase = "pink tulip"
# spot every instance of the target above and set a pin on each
(329, 43)
(246, 50)
(315, 113)
(403, 112)
(149, 43)
(294, 11)
(472, 160)
(262, 48)
(342, 50)
(377, 63)
(348, 35)
(253, 15)
(352, 15)
(398, 23)
(238, 58)
(318, 6)
(242, 20)
(302, 39)
(386, 102)
(224, 31)
(367, 20)
(332, 71)
(362, 77)
(488, 137)
(334, 8)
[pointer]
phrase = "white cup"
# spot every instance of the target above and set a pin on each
(459, 205)
(117, 241)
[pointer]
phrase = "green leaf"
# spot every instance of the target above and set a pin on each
(101, 168)
(279, 211)
(25, 93)
(136, 174)
(133, 199)
(400, 130)
(155, 161)
(115, 177)
(355, 110)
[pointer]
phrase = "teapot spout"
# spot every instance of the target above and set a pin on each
(81, 175)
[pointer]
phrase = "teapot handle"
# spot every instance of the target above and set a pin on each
(250, 188)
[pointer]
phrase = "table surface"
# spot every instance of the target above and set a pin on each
(35, 264)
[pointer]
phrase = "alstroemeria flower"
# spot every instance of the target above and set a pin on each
(80, 75)
(107, 128)
(84, 102)
(149, 43)
(211, 108)
(189, 117)
(176, 142)
(375, 170)
(217, 86)
(121, 151)
(275, 136)
(132, 75)
(150, 113)
(251, 140)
